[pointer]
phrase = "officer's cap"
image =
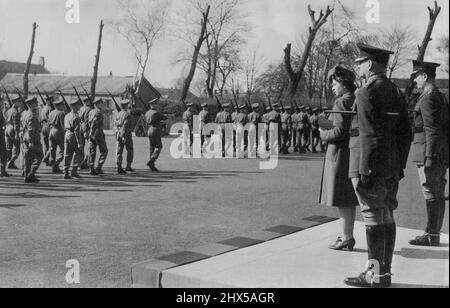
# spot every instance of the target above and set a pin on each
(287, 107)
(302, 107)
(255, 105)
(74, 102)
(124, 102)
(242, 106)
(205, 104)
(189, 104)
(308, 108)
(315, 109)
(275, 105)
(15, 98)
(58, 102)
(424, 67)
(341, 74)
(376, 54)
(226, 105)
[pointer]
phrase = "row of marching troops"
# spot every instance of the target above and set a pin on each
(298, 126)
(58, 131)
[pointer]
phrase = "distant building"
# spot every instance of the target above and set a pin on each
(117, 86)
(7, 67)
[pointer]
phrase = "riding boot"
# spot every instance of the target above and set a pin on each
(391, 234)
(431, 236)
(93, 171)
(3, 172)
(120, 170)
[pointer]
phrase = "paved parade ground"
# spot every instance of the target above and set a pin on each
(110, 223)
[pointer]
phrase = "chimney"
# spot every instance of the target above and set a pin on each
(42, 61)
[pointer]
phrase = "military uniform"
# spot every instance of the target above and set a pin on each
(45, 131)
(240, 121)
(384, 143)
(286, 125)
(73, 152)
(223, 118)
(274, 123)
(56, 137)
(3, 156)
(85, 130)
(153, 119)
(253, 119)
(32, 146)
(124, 138)
(431, 153)
(304, 129)
(315, 134)
(96, 139)
(188, 129)
(204, 120)
(12, 135)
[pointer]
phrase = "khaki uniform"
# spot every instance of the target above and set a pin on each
(223, 118)
(286, 125)
(31, 143)
(124, 137)
(73, 153)
(56, 136)
(153, 120)
(96, 138)
(45, 130)
(12, 134)
(3, 156)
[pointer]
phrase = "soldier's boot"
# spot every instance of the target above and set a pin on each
(3, 172)
(12, 165)
(151, 165)
(56, 169)
(67, 175)
(431, 237)
(84, 165)
(99, 170)
(441, 214)
(389, 247)
(375, 275)
(33, 178)
(120, 170)
(74, 173)
(129, 169)
(93, 171)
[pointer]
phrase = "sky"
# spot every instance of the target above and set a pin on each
(70, 48)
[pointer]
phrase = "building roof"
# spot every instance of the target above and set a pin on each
(19, 68)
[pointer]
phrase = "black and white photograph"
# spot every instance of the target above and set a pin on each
(219, 145)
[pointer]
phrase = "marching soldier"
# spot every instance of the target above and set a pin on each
(124, 137)
(84, 117)
(32, 146)
(253, 118)
(56, 135)
(223, 118)
(3, 156)
(431, 150)
(73, 154)
(315, 133)
(96, 138)
(188, 129)
(286, 125)
(377, 166)
(12, 132)
(303, 129)
(45, 129)
(153, 119)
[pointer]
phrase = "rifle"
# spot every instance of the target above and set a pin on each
(64, 99)
(49, 100)
(270, 102)
(40, 95)
(237, 106)
(282, 107)
(25, 106)
(8, 98)
(394, 114)
(78, 95)
(90, 100)
(115, 102)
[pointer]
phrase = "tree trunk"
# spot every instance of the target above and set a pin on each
(27, 68)
(201, 39)
(97, 58)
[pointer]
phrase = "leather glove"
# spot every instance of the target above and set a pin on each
(428, 162)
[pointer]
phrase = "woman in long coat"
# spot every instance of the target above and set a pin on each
(337, 187)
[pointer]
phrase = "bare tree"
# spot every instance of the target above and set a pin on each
(30, 57)
(227, 64)
(201, 38)
(401, 42)
(97, 59)
(443, 48)
(252, 69)
(296, 76)
(142, 25)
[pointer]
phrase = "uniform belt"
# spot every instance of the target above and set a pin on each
(354, 132)
(418, 130)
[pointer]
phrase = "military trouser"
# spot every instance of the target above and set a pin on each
(3, 155)
(294, 137)
(45, 133)
(56, 138)
(72, 152)
(241, 144)
(100, 142)
(125, 143)
(252, 140)
(377, 202)
(303, 138)
(433, 181)
(85, 140)
(188, 139)
(154, 143)
(285, 139)
(12, 144)
(315, 139)
(32, 156)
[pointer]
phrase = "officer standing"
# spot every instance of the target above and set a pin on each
(253, 119)
(124, 137)
(96, 138)
(295, 117)
(12, 132)
(32, 146)
(240, 121)
(45, 129)
(153, 119)
(188, 128)
(223, 118)
(431, 125)
(84, 117)
(274, 123)
(205, 118)
(303, 129)
(3, 156)
(286, 124)
(378, 166)
(56, 135)
(73, 152)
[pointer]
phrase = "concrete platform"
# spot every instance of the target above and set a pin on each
(292, 260)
